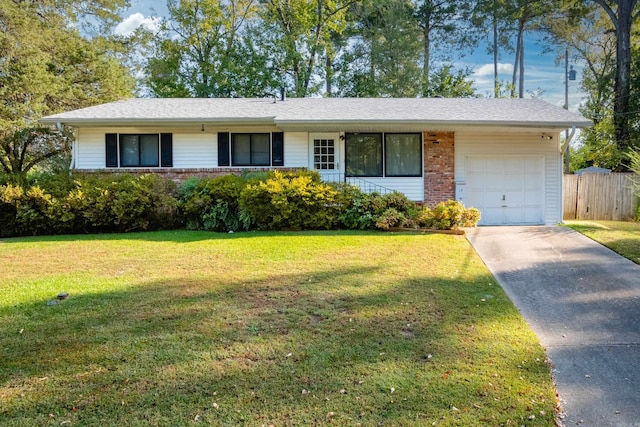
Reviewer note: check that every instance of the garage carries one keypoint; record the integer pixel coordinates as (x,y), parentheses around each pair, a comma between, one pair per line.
(508,190)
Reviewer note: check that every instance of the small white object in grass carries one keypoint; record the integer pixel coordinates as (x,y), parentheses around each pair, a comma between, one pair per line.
(393,390)
(215,405)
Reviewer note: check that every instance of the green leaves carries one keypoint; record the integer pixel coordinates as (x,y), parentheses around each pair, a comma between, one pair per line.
(47,66)
(23,149)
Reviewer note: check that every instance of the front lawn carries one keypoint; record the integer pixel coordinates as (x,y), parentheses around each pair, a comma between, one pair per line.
(621,237)
(316,328)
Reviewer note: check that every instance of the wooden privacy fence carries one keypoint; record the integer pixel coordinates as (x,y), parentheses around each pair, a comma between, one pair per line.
(599,196)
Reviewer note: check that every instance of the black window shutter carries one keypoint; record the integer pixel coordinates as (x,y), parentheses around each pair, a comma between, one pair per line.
(223,149)
(111,145)
(166,150)
(277,148)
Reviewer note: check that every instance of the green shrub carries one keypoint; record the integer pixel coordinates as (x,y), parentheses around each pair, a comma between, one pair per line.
(291,200)
(252,176)
(123,203)
(212,203)
(117,203)
(28,212)
(449,215)
(424,218)
(188,188)
(356,211)
(399,201)
(10,198)
(58,184)
(470,217)
(390,218)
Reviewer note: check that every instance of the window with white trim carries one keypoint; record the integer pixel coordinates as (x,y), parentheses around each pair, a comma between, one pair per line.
(399,156)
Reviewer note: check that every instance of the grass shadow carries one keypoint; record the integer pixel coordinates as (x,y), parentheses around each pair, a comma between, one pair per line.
(376,330)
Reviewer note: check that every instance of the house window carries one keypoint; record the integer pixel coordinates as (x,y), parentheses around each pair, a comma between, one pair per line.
(403,154)
(363,154)
(139,150)
(250,149)
(399,156)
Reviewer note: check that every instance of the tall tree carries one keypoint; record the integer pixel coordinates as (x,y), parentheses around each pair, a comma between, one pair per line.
(47,66)
(302,31)
(199,52)
(526,15)
(441,22)
(622,13)
(587,29)
(385,52)
(487,18)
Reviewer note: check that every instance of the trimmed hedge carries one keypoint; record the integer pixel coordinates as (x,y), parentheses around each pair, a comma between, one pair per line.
(98,204)
(291,200)
(272,201)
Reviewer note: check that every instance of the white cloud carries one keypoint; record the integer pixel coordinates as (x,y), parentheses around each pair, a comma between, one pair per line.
(136,20)
(487,69)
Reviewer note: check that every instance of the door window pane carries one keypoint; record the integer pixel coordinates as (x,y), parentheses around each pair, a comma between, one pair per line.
(324,158)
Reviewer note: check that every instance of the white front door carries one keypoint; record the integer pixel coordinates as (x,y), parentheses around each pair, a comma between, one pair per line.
(324,155)
(507,190)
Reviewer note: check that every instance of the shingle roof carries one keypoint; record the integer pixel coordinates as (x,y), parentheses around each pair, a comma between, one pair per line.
(304,112)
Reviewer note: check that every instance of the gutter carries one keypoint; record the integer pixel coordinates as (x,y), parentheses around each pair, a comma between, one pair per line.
(79,122)
(435,124)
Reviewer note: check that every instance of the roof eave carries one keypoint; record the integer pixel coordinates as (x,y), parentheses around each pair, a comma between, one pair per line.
(341,125)
(170,122)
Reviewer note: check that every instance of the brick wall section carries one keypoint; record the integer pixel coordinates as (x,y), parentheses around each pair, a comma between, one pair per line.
(179,175)
(439,165)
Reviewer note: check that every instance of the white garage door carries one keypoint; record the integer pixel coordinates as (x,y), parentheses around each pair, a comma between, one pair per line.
(506,190)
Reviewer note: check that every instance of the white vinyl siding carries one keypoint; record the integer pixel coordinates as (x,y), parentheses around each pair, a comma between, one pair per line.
(523,146)
(296,151)
(90,150)
(193,149)
(412,187)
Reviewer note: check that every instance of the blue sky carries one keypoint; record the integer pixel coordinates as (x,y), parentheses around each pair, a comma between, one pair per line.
(541,71)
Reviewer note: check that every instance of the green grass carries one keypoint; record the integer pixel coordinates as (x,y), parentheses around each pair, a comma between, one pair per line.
(619,236)
(283,329)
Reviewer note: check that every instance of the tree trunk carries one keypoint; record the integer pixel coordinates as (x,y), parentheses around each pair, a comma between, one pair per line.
(623,73)
(427,59)
(328,66)
(622,18)
(516,67)
(496,81)
(521,77)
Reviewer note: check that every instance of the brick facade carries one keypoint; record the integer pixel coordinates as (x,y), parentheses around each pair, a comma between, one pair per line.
(439,165)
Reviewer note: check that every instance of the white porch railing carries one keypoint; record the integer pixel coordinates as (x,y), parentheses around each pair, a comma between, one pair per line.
(363,184)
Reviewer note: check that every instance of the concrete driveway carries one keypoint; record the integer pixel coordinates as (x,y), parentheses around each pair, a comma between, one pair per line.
(583,302)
